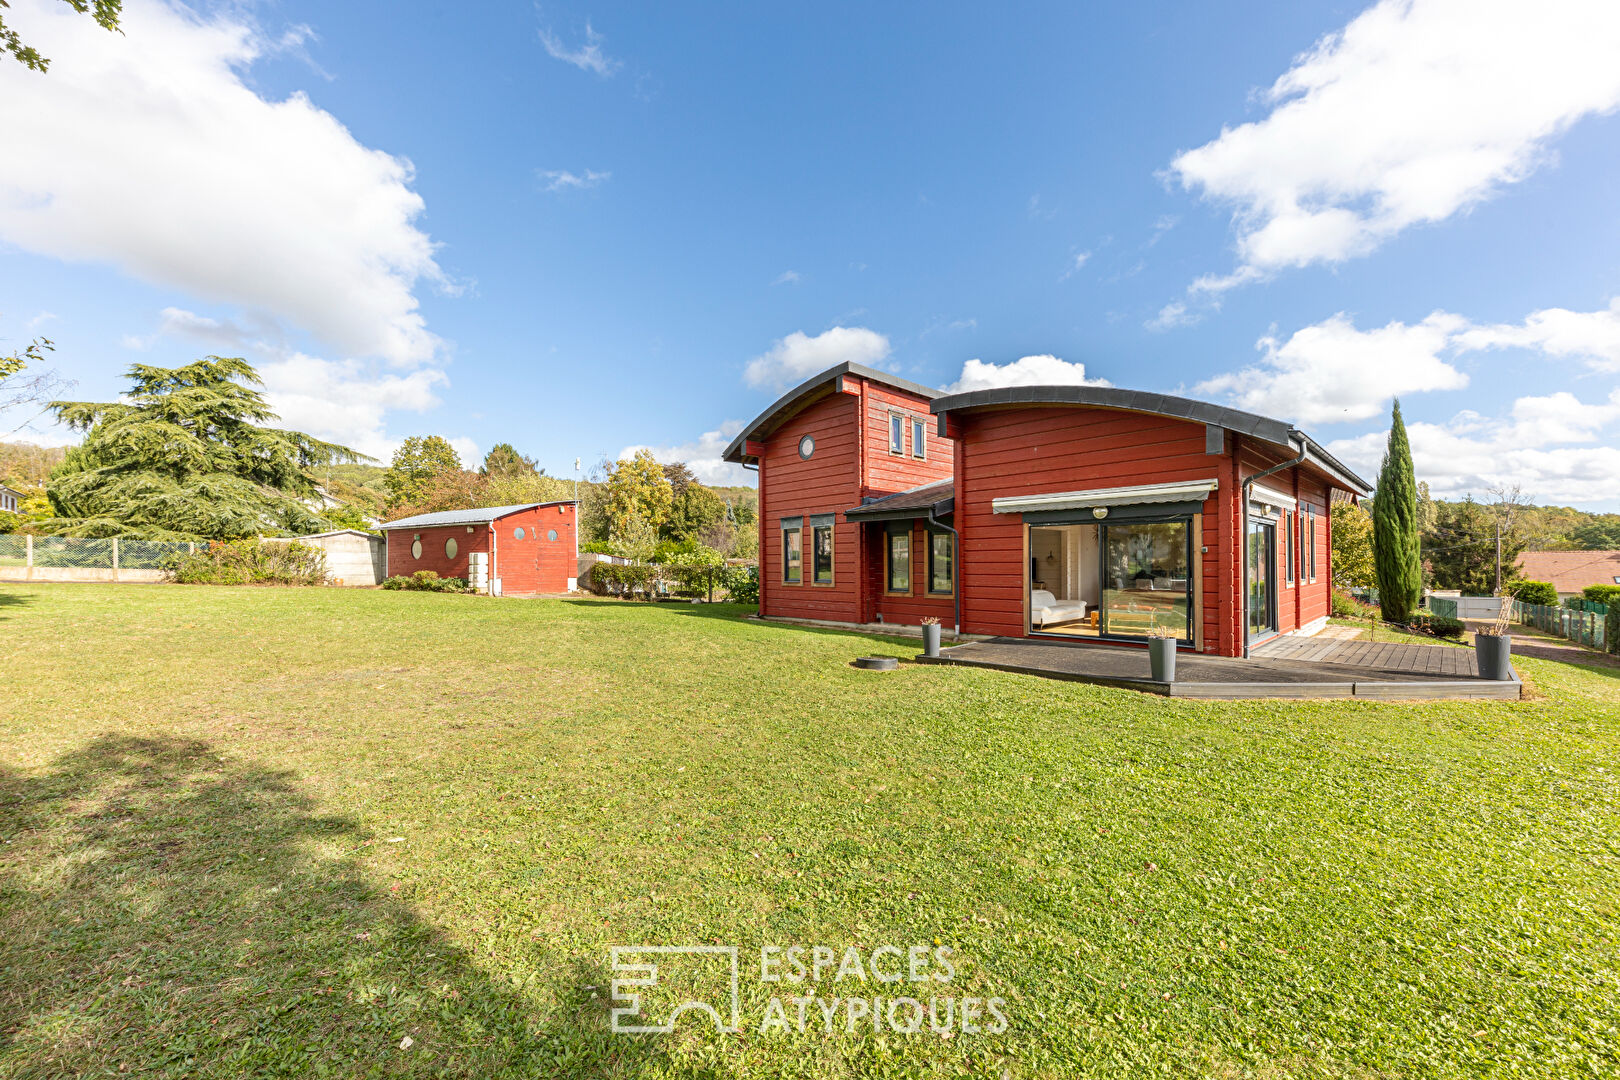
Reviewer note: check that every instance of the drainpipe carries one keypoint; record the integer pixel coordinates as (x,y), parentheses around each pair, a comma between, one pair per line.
(1243,536)
(956,573)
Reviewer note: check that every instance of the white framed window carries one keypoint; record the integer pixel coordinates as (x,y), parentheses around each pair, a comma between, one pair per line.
(450,548)
(919,437)
(416,548)
(897,433)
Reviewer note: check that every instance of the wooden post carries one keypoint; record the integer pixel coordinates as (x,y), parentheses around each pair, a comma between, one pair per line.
(28,557)
(115,558)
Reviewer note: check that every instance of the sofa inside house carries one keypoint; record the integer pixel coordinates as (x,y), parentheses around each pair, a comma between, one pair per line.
(1047,610)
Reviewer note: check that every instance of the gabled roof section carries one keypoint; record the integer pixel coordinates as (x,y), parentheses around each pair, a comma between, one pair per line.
(811,390)
(1277,432)
(475,516)
(938,497)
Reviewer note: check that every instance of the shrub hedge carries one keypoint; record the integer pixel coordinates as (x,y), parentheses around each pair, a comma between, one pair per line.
(1602,594)
(1534,592)
(249,562)
(427,581)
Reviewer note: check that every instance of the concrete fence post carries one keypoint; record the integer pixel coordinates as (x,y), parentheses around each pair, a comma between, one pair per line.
(28,557)
(115,558)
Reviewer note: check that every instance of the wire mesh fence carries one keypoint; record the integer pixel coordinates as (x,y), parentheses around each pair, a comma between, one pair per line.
(86,553)
(1587,628)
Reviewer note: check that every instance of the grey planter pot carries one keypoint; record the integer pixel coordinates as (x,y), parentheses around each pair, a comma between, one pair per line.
(1162,657)
(1494,653)
(931,639)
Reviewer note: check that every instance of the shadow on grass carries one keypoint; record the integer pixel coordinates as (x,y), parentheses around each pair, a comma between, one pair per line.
(12,599)
(172,913)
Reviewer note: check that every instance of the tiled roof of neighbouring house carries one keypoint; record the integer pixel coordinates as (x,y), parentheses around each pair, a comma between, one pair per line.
(1572,571)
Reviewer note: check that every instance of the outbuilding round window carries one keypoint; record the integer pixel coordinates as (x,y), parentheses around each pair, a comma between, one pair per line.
(450,548)
(551,534)
(416,549)
(807,446)
(517,533)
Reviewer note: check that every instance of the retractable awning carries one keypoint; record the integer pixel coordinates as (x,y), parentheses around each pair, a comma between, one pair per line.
(1185,491)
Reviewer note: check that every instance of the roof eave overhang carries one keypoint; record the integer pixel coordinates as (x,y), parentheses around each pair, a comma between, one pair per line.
(938,510)
(812,389)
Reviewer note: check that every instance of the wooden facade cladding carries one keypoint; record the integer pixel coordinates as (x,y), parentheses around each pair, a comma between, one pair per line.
(468,538)
(1040,449)
(530,566)
(850,462)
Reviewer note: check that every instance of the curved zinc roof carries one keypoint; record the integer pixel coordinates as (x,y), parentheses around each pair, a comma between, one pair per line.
(1276,432)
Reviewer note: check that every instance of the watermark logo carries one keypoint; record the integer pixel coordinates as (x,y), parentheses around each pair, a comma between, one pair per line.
(629,973)
(905,990)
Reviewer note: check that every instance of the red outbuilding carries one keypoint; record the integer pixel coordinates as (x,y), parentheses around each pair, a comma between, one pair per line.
(1060,512)
(526,550)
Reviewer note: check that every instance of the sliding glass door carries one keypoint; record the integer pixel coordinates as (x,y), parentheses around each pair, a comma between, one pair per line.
(1124,579)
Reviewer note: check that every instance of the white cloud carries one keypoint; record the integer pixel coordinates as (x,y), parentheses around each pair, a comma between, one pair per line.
(1415,111)
(588,57)
(1075,264)
(345,401)
(470,453)
(702,456)
(1471,454)
(148,151)
(1592,336)
(788,277)
(563,180)
(1172,315)
(218,334)
(799,356)
(1043,370)
(1331,371)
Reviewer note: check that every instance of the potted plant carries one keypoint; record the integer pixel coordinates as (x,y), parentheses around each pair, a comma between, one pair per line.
(1493,646)
(930,631)
(1162,653)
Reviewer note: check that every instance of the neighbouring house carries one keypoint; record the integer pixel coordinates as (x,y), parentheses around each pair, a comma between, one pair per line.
(1079,513)
(10,499)
(526,550)
(1571,571)
(353,557)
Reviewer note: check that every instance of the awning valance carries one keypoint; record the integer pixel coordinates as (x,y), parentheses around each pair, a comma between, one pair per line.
(1185,491)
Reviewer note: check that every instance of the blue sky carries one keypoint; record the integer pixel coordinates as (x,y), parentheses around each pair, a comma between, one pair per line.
(581,229)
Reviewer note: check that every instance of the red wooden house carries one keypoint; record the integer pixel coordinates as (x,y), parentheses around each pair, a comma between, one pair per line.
(526,550)
(1064,512)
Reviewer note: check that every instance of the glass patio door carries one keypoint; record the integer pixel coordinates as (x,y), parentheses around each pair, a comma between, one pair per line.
(1262,578)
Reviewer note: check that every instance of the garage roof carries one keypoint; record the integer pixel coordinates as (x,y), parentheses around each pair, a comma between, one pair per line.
(474,516)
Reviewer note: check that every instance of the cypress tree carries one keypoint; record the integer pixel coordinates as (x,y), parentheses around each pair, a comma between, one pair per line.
(1397,555)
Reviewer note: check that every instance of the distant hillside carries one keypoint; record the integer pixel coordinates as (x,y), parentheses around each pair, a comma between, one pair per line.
(28,465)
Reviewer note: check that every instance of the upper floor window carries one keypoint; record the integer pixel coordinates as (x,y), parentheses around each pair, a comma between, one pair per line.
(919,436)
(897,433)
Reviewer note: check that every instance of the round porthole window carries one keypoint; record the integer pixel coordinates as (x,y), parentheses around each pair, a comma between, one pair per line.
(416,549)
(807,446)
(551,534)
(450,548)
(517,533)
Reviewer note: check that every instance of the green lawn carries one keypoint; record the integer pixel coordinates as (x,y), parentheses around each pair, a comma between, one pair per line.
(278,831)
